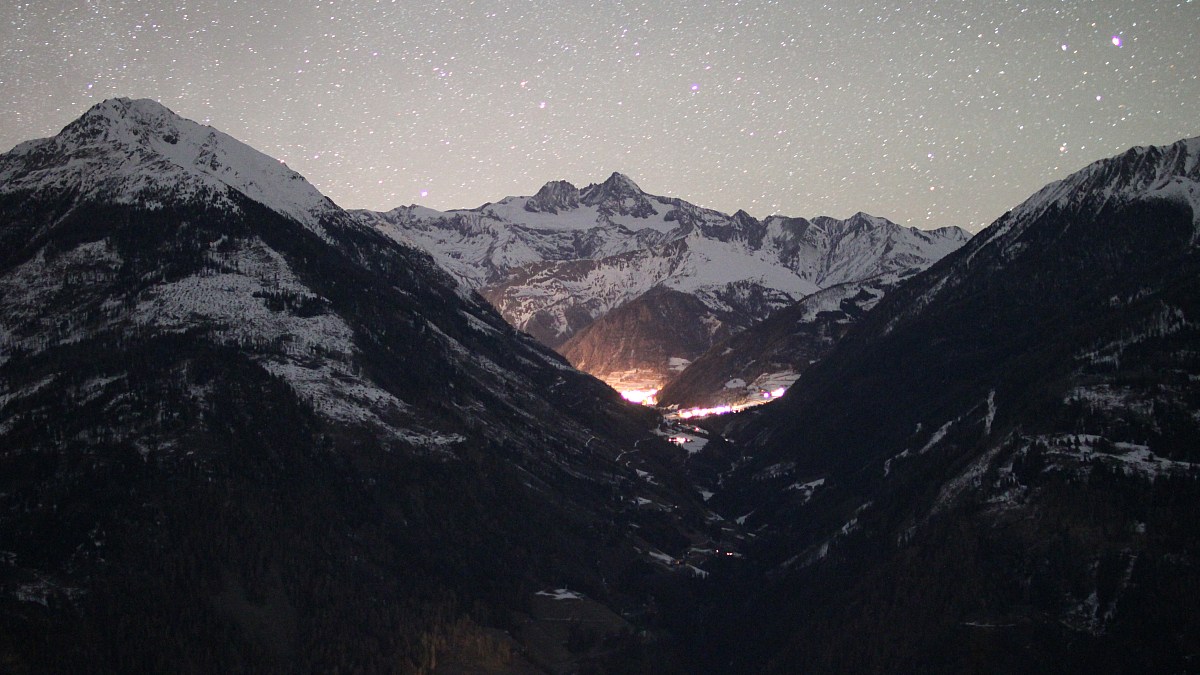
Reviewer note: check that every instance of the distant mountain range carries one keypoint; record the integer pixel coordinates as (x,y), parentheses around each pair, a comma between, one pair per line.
(631,287)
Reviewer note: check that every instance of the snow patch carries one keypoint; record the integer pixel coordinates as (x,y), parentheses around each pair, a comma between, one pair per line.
(971,477)
(663,558)
(991,413)
(1132,459)
(560,594)
(677,364)
(1166,321)
(929,445)
(807,489)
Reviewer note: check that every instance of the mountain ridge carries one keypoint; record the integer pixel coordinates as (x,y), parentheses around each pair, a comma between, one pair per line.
(555,263)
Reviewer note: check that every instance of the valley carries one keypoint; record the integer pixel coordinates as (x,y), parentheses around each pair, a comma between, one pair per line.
(245,430)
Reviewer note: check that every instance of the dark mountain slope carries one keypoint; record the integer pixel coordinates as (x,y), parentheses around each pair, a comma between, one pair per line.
(997,469)
(631,343)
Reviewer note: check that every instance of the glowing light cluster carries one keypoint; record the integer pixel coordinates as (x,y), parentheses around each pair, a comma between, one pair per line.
(704,412)
(642,396)
(691,413)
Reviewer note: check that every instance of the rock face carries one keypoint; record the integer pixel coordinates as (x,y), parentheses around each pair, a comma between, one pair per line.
(559,263)
(241,431)
(554,196)
(998,468)
(632,343)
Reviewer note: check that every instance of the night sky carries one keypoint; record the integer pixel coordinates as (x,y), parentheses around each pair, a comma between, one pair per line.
(928,113)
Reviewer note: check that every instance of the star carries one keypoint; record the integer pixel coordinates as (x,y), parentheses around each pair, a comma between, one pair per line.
(802,108)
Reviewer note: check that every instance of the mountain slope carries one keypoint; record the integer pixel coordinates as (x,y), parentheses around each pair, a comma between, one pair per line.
(997,468)
(556,262)
(631,344)
(239,430)
(771,354)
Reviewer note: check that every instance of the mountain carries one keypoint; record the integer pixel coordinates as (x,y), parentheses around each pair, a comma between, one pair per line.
(753,365)
(645,341)
(558,264)
(242,431)
(997,469)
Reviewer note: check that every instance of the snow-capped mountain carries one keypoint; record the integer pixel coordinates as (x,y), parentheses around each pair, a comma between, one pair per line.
(138,152)
(238,426)
(555,264)
(1011,437)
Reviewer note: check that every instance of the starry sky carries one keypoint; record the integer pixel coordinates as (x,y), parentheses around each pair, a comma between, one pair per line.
(929,113)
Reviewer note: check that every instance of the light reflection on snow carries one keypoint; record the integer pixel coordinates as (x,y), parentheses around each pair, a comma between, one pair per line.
(694,413)
(642,396)
(704,412)
(648,397)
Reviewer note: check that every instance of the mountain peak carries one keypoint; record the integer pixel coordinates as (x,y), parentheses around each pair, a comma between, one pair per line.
(865,222)
(742,217)
(864,218)
(139,151)
(123,120)
(616,186)
(121,107)
(554,196)
(1170,172)
(621,182)
(859,222)
(618,194)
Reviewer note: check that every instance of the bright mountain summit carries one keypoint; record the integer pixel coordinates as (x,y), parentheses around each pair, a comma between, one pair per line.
(631,287)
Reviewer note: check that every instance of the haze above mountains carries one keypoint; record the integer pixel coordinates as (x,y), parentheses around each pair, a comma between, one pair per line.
(242,429)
